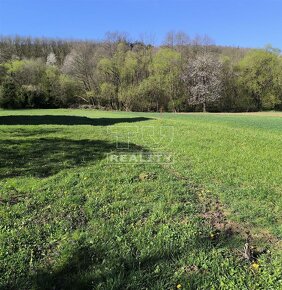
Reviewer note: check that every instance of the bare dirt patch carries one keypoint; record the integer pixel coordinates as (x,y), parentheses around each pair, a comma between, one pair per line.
(254,244)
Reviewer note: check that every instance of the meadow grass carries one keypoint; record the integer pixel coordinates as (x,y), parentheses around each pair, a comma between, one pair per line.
(70,219)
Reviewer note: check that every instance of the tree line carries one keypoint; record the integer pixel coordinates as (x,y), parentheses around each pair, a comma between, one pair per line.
(182,74)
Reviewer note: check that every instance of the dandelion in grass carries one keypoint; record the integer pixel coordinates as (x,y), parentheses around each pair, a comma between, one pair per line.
(255,266)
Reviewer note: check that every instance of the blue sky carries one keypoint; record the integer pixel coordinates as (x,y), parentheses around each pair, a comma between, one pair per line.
(246,23)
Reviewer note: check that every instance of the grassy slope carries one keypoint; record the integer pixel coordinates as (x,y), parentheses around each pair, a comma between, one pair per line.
(239,158)
(69,219)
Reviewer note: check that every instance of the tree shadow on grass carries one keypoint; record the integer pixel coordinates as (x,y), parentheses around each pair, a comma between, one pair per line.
(44,157)
(65,120)
(78,273)
(88,268)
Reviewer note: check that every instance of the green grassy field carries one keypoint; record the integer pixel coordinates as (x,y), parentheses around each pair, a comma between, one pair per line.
(71,218)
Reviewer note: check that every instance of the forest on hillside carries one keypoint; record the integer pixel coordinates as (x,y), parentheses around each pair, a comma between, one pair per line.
(182,74)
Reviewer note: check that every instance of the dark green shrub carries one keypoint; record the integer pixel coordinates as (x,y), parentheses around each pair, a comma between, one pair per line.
(10,97)
(32,97)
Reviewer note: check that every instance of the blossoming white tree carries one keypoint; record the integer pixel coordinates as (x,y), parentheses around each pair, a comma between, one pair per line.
(203,78)
(51,59)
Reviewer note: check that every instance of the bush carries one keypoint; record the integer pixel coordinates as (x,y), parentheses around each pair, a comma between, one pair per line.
(33,97)
(10,97)
(108,93)
(68,92)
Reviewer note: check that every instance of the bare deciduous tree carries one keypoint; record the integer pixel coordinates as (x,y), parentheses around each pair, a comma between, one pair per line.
(179,38)
(81,63)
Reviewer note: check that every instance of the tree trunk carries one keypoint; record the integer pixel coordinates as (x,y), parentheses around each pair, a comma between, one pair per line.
(204,107)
